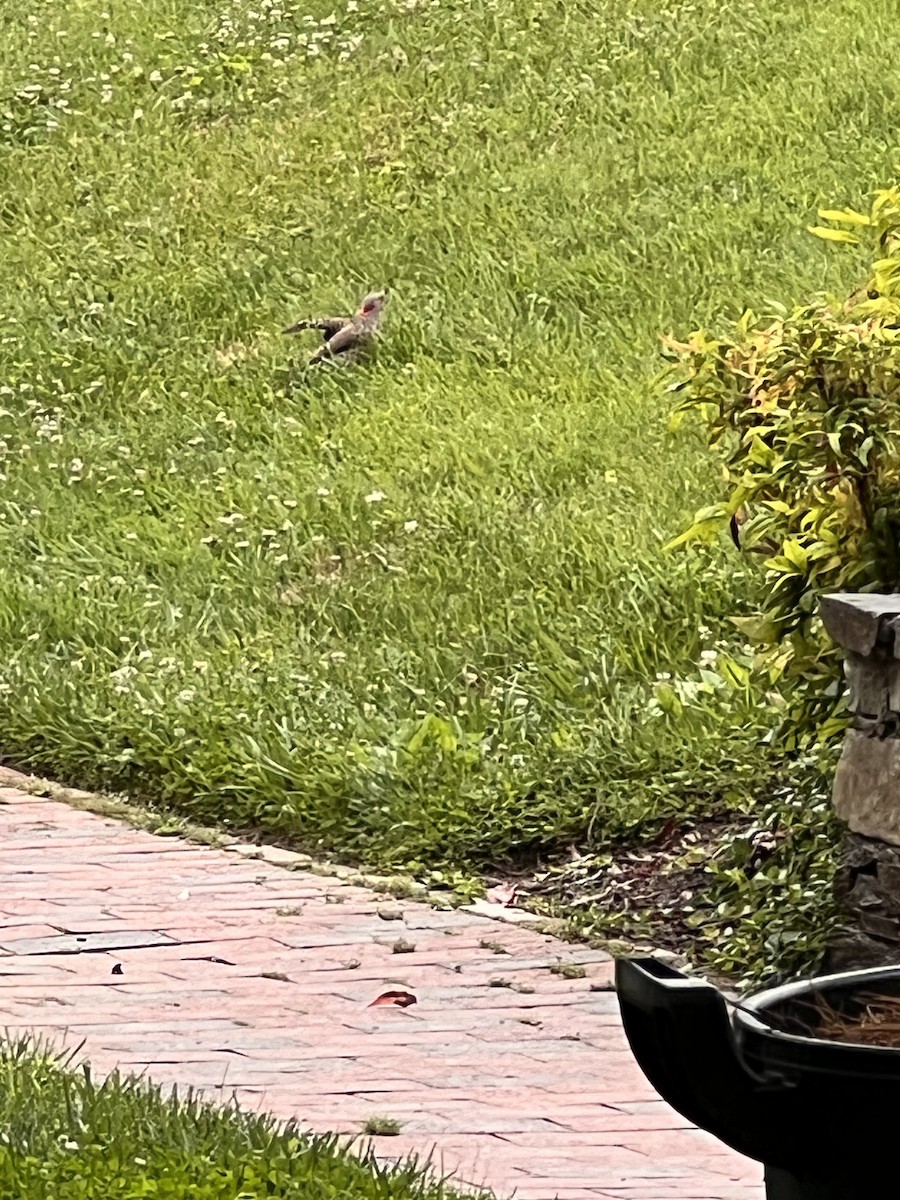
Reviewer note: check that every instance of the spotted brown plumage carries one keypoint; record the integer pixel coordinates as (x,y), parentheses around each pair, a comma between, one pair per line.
(346,338)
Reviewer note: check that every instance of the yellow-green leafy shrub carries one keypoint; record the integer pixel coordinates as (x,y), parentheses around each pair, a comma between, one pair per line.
(803,408)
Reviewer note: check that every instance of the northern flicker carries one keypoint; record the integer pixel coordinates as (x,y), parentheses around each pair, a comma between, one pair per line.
(346,338)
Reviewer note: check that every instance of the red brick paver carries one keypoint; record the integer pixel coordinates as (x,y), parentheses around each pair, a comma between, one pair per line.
(245,979)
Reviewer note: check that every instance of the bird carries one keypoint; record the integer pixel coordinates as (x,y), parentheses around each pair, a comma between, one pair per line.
(346,338)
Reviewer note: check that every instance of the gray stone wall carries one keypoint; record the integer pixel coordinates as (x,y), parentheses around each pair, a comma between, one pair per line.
(866,792)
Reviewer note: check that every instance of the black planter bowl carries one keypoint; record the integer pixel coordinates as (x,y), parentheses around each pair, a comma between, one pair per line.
(820,1115)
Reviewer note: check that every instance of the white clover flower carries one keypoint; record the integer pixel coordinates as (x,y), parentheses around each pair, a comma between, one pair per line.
(374,497)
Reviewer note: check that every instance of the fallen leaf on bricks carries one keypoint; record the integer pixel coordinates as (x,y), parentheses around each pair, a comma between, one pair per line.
(397,999)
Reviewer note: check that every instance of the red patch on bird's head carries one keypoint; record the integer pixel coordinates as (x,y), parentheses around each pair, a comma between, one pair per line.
(372,303)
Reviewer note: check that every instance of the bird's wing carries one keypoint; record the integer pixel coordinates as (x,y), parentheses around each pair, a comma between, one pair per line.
(328,325)
(346,338)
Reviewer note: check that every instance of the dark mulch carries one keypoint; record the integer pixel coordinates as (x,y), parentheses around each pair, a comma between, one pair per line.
(656,892)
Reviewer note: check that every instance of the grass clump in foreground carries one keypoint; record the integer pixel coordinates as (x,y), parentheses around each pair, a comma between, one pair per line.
(64,1136)
(417,614)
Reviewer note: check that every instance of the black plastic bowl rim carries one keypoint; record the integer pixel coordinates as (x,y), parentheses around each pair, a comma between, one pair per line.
(767,1048)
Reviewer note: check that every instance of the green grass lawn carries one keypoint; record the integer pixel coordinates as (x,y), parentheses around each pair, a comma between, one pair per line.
(65,1137)
(412,613)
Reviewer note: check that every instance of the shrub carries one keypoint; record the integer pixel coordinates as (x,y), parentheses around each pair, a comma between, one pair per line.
(802,407)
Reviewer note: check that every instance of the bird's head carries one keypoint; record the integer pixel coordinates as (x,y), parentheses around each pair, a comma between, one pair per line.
(373,305)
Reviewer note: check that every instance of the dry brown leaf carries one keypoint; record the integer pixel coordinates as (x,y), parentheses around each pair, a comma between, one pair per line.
(395,999)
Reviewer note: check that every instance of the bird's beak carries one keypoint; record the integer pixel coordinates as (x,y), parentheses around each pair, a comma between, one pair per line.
(292,328)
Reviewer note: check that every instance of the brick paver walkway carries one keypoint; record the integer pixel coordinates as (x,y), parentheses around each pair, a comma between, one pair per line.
(240,977)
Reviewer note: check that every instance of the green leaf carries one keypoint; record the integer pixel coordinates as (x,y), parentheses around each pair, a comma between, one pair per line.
(796,554)
(444,733)
(832,235)
(757,629)
(849,215)
(668,700)
(759,453)
(700,531)
(733,671)
(419,738)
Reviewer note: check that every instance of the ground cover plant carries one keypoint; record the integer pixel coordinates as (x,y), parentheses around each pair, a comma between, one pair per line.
(419,613)
(65,1136)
